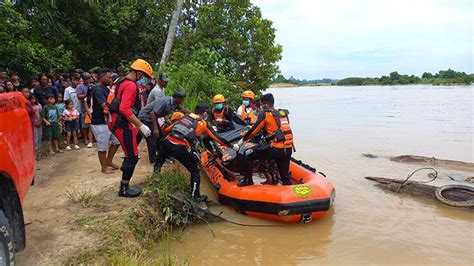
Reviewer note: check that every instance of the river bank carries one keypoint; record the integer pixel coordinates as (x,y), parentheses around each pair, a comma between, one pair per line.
(74,216)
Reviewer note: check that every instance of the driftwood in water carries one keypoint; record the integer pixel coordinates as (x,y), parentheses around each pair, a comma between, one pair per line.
(432,161)
(419,189)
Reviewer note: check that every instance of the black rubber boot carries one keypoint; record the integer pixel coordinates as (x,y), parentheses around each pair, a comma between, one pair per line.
(129,192)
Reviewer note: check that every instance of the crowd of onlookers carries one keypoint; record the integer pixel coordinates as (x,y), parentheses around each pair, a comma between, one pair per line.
(60,105)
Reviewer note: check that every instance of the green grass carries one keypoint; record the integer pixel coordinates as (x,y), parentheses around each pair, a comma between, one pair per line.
(86,196)
(132,239)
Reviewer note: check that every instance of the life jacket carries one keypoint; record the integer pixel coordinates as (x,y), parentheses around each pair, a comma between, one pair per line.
(250,118)
(217,114)
(185,129)
(282,136)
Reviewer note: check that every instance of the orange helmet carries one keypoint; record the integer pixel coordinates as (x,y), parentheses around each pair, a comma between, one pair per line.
(142,65)
(248,94)
(219,98)
(176,116)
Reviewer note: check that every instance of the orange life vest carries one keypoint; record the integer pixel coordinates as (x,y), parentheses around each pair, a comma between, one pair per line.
(218,115)
(250,118)
(278,124)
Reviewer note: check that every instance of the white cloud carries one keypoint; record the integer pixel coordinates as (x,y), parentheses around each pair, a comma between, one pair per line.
(371,37)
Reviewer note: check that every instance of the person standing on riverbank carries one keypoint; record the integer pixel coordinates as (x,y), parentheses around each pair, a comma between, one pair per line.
(99,126)
(125,123)
(83,90)
(159,90)
(159,108)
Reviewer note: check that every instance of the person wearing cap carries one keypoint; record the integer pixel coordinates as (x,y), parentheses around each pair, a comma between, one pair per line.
(125,123)
(83,92)
(149,115)
(222,114)
(180,144)
(247,110)
(159,89)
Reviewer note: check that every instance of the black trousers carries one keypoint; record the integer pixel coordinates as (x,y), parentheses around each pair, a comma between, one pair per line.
(188,157)
(152,143)
(282,157)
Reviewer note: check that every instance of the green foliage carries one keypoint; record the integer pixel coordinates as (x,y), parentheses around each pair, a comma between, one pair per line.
(201,79)
(444,77)
(22,51)
(236,31)
(228,39)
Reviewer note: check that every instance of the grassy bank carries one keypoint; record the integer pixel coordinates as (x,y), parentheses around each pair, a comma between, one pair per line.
(128,239)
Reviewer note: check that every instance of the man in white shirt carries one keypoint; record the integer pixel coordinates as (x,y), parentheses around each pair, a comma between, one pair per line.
(159,90)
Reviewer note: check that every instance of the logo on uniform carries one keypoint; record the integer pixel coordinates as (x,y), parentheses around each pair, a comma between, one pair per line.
(303,191)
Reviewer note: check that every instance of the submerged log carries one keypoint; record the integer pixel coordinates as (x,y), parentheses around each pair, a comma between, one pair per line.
(418,189)
(432,161)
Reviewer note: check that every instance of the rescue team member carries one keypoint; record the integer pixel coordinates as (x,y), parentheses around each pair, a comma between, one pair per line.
(149,115)
(125,123)
(276,127)
(221,114)
(180,144)
(247,110)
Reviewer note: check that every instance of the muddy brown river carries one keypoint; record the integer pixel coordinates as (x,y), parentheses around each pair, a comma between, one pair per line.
(333,126)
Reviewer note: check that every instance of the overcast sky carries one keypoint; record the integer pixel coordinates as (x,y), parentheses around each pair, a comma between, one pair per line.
(336,39)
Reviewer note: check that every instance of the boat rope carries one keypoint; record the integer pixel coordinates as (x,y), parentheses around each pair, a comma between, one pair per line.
(190,210)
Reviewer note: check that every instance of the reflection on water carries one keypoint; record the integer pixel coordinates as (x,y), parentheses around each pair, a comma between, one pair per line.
(332,127)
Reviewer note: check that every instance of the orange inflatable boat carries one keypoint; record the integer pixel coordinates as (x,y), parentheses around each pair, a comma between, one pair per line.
(309,198)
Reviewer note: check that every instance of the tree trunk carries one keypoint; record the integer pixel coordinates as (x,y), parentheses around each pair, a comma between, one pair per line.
(171,33)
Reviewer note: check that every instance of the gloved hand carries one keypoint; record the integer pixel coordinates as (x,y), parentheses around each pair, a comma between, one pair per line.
(236,147)
(219,120)
(145,130)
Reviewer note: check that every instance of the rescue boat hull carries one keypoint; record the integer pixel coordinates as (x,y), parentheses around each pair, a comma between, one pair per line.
(309,198)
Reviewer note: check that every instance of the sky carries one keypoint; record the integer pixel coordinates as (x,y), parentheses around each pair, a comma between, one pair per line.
(371,38)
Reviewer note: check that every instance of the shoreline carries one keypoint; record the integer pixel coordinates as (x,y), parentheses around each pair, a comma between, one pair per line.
(291,85)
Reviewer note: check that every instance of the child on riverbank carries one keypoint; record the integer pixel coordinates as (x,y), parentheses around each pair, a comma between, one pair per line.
(71,124)
(52,130)
(37,122)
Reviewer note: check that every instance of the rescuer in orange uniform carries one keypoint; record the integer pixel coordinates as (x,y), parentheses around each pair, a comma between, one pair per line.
(276,127)
(180,144)
(222,114)
(247,110)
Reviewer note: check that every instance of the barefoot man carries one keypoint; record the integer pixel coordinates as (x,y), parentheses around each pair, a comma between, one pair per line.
(99,123)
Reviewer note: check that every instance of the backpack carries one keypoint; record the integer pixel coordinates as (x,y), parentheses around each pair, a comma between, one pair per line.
(112,103)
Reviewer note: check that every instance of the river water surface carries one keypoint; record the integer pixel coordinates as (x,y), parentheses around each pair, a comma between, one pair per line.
(333,126)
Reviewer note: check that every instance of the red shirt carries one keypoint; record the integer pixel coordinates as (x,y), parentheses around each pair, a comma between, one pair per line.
(127,94)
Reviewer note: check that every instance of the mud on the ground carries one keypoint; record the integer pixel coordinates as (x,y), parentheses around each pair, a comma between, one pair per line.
(51,218)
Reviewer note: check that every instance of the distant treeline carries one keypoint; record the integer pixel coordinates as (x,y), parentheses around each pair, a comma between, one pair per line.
(281,79)
(443,77)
